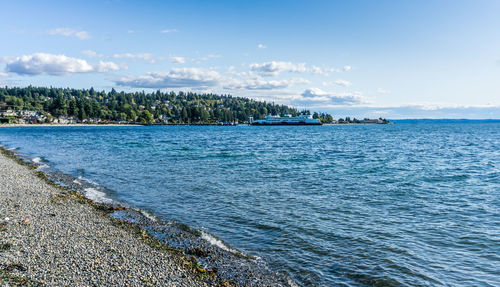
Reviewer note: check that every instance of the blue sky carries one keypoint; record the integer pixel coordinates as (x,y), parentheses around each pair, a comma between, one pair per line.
(394,59)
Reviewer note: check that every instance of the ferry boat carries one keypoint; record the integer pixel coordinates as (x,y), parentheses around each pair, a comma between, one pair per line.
(287,120)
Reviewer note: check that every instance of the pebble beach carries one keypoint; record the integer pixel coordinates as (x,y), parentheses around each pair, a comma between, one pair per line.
(50,237)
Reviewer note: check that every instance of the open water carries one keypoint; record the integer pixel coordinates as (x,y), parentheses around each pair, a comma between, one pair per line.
(413,204)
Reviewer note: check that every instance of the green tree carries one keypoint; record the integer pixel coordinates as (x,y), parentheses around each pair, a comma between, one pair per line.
(146,117)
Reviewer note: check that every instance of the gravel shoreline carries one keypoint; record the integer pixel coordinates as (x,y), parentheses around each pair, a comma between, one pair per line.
(52,237)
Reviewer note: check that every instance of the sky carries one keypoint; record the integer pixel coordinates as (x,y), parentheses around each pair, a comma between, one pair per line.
(391,59)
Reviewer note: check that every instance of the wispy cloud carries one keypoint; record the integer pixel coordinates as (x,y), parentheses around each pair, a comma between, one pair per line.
(347,68)
(92,54)
(210,56)
(56,65)
(383,91)
(130,32)
(138,56)
(317,97)
(68,32)
(261,46)
(166,31)
(339,82)
(261,84)
(198,60)
(274,68)
(142,56)
(177,60)
(103,67)
(175,78)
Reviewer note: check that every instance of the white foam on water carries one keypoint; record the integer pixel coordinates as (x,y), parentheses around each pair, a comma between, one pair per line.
(39,162)
(148,215)
(96,195)
(214,241)
(77,182)
(88,180)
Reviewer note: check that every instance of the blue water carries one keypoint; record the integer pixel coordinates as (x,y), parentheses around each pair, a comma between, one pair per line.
(405,204)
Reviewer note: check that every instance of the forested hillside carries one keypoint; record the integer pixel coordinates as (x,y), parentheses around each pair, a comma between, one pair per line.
(83,104)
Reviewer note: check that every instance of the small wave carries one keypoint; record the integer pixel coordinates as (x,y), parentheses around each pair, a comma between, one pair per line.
(88,180)
(40,163)
(97,196)
(214,241)
(76,181)
(148,215)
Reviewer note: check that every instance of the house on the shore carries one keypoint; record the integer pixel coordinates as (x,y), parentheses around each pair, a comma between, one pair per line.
(9,113)
(27,114)
(62,120)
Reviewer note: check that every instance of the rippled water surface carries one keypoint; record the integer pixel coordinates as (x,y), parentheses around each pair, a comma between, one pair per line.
(404,204)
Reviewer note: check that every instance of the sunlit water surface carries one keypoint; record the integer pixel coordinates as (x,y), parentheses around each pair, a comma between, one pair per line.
(404,204)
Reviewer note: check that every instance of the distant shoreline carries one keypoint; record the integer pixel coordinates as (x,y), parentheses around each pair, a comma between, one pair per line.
(139,125)
(66,125)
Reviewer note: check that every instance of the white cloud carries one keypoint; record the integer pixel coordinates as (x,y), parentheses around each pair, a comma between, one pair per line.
(316,97)
(339,82)
(142,56)
(104,67)
(178,60)
(261,46)
(232,71)
(274,68)
(316,70)
(261,84)
(175,78)
(166,31)
(326,71)
(183,60)
(68,32)
(210,56)
(42,63)
(92,54)
(383,91)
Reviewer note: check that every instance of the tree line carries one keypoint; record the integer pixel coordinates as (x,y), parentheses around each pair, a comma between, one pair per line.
(180,107)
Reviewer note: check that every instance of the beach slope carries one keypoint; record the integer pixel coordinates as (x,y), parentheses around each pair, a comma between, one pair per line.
(50,237)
